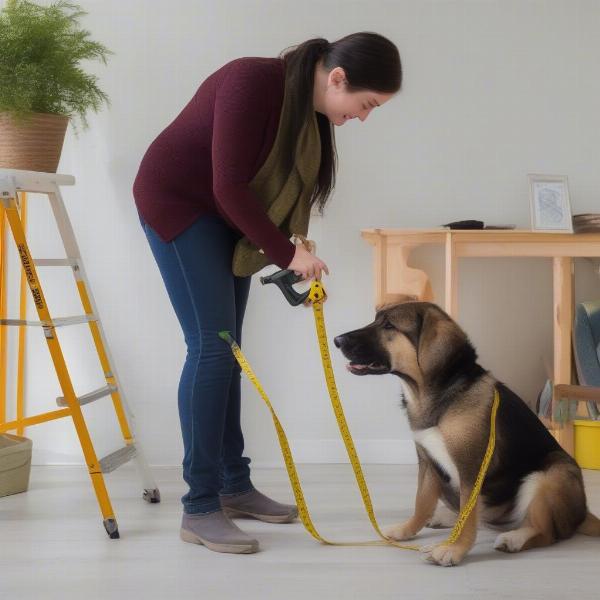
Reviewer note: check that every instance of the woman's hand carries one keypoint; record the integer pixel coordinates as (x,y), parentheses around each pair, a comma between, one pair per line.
(306,264)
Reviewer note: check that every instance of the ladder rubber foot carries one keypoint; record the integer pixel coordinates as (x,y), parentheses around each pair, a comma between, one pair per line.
(152,496)
(111,528)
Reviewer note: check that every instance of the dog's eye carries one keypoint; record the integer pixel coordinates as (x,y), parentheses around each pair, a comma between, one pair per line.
(388,325)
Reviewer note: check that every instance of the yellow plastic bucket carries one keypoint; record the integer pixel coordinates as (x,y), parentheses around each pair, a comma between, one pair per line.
(587,444)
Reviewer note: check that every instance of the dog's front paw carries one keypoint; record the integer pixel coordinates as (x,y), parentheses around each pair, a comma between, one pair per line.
(400,532)
(446,555)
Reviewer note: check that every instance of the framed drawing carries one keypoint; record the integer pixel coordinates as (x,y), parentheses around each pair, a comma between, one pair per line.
(550,205)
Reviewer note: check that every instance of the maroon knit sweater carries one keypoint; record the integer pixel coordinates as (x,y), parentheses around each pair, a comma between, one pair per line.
(202,162)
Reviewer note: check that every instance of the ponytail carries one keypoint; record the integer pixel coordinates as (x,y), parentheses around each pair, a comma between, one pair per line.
(370,61)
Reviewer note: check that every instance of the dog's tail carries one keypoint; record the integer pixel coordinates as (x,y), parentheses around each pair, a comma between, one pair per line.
(590,526)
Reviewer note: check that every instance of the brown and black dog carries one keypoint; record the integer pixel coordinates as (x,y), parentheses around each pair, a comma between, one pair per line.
(533,490)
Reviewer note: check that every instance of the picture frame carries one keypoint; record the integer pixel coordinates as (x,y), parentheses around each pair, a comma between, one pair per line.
(550,203)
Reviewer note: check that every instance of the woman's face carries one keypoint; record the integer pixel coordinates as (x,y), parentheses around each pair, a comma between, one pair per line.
(332,98)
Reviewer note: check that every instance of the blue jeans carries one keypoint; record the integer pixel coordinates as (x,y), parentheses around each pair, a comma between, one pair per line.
(207,298)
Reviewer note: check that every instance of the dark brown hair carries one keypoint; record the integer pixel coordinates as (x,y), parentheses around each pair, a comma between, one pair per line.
(371,62)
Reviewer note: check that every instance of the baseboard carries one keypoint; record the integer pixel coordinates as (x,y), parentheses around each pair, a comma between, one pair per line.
(388,452)
(391,452)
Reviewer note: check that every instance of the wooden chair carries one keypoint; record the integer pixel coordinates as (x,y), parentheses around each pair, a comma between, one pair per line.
(586,354)
(561,422)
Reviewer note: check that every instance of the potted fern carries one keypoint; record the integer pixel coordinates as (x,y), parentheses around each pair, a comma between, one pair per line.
(42,84)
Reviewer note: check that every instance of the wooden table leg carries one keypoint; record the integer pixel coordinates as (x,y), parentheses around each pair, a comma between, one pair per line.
(563,323)
(395,280)
(451,295)
(380,269)
(408,281)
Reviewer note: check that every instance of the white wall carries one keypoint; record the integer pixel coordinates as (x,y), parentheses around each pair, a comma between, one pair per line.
(492,90)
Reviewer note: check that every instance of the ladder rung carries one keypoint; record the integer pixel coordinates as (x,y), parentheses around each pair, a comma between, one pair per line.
(33,181)
(55,262)
(117,458)
(59,322)
(90,396)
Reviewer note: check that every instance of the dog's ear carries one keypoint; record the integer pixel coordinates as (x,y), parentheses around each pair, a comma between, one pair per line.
(438,340)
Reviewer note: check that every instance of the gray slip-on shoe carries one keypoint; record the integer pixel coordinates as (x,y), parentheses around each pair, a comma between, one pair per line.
(258,506)
(217,532)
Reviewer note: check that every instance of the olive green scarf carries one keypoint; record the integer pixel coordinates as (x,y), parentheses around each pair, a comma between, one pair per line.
(284,195)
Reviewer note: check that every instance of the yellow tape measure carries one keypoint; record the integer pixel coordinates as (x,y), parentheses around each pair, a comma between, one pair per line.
(317,296)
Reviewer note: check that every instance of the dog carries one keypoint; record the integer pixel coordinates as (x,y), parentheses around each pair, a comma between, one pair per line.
(533,491)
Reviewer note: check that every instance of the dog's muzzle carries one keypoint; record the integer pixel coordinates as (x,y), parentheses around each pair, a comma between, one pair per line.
(359,364)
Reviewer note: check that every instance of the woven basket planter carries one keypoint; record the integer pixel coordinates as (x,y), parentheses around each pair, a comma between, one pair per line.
(32,145)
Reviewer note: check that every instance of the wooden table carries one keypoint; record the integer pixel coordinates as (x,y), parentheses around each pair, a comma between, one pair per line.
(394,278)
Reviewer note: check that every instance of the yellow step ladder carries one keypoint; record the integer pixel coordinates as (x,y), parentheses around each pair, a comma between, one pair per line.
(14,185)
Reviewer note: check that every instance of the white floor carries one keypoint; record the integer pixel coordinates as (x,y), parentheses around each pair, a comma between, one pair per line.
(53,546)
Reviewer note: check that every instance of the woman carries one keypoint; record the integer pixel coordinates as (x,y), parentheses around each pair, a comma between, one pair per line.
(219,192)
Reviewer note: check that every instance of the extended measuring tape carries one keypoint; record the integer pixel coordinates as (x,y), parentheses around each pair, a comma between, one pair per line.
(317,297)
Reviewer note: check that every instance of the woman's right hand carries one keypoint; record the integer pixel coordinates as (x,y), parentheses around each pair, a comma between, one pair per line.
(306,264)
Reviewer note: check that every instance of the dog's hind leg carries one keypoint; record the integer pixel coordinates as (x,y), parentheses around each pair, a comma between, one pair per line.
(536,531)
(555,510)
(428,493)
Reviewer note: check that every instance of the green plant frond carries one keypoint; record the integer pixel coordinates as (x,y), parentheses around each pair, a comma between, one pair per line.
(42,48)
